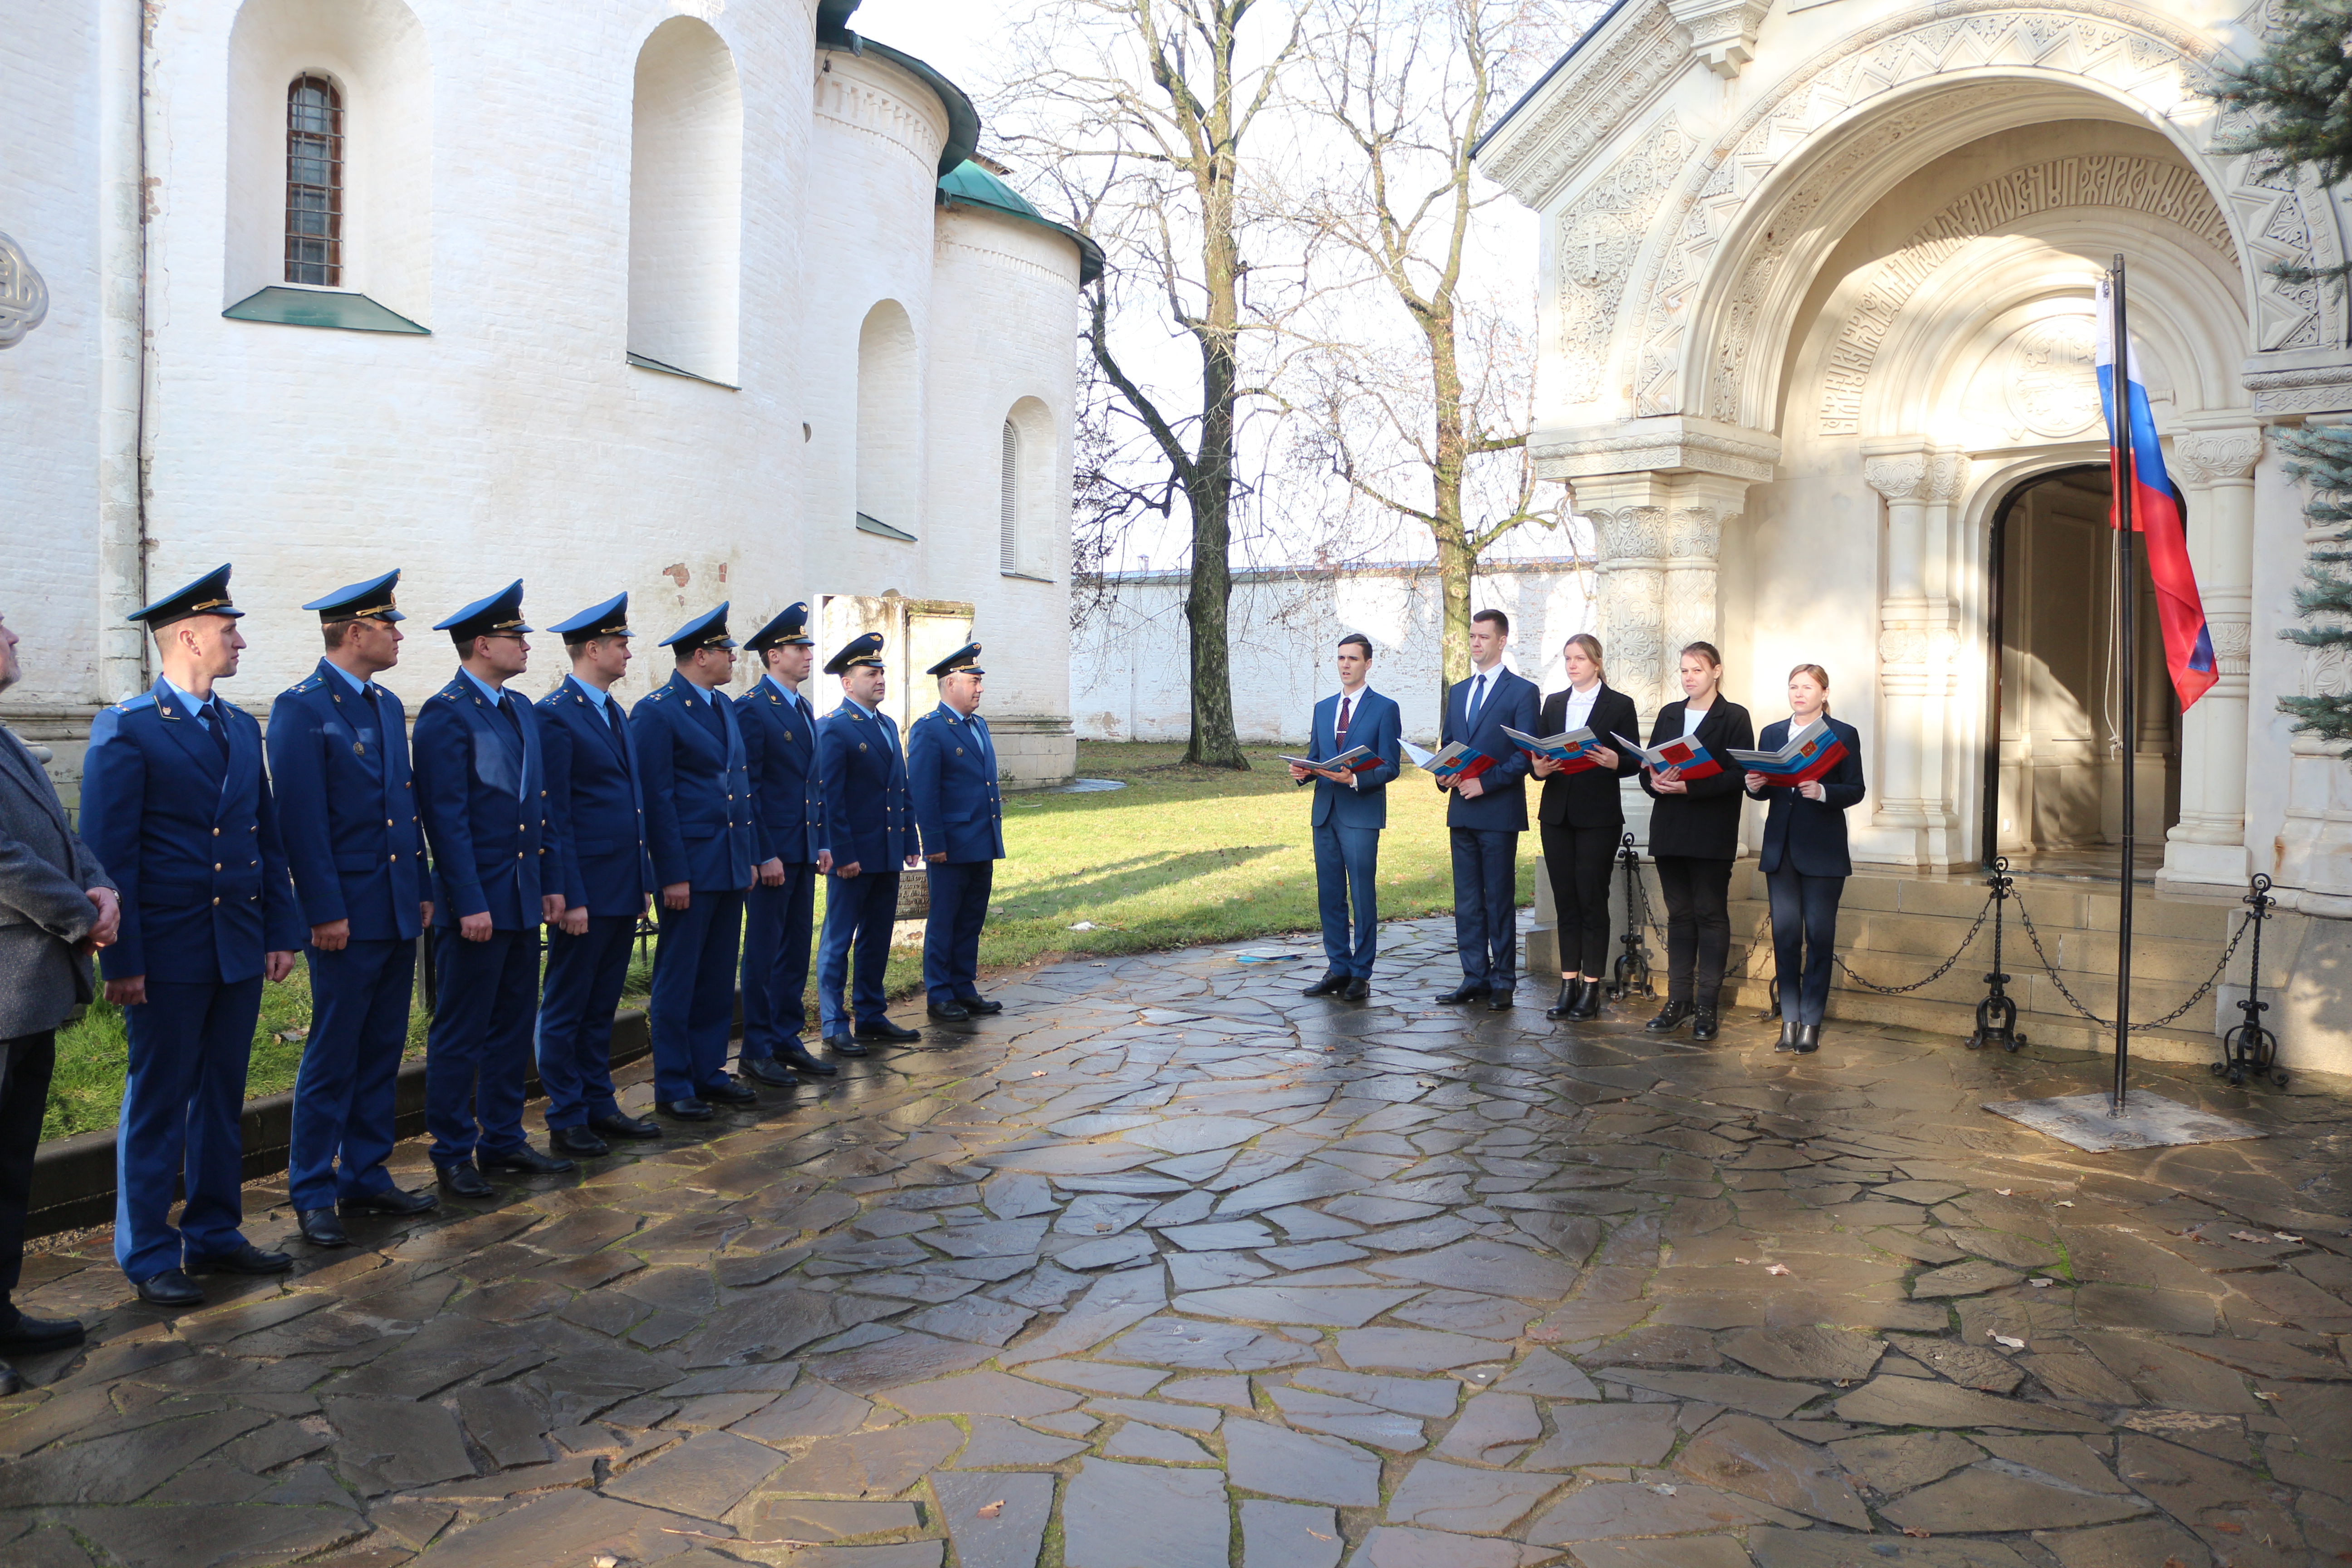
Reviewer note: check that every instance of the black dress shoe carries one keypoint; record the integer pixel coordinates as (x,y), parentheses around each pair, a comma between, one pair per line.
(463,1181)
(170,1289)
(730,1091)
(884,1029)
(320,1227)
(685,1110)
(615,1124)
(1358,989)
(1705,1024)
(1670,1018)
(30,1335)
(767,1070)
(1588,1002)
(247,1259)
(1329,985)
(949,1011)
(795,1057)
(1570,989)
(846,1045)
(526,1161)
(392,1201)
(1499,999)
(1788,1040)
(577,1141)
(979,1006)
(1809,1039)
(1465,992)
(9,1382)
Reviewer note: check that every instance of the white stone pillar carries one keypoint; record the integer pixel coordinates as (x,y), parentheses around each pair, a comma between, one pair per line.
(2215,470)
(1914,821)
(1631,520)
(1704,506)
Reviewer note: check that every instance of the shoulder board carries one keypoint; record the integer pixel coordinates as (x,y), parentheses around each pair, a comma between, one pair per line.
(661,694)
(312,684)
(448,695)
(133,704)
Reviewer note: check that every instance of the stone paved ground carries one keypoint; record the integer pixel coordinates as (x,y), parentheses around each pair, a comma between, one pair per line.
(1171,1267)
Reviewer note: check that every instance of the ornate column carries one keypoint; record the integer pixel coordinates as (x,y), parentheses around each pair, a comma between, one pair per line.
(2215,469)
(1631,517)
(1916,639)
(1704,506)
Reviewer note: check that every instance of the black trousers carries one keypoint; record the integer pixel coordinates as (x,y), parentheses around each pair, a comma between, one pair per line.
(25,1063)
(1576,860)
(1698,926)
(1805,939)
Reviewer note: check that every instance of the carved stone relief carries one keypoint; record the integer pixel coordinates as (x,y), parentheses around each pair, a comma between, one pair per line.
(1600,235)
(1584,111)
(2049,379)
(2201,457)
(24,297)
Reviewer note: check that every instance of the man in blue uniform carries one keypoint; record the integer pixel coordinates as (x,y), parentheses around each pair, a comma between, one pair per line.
(483,796)
(951,781)
(862,779)
(347,809)
(701,829)
(1351,807)
(780,740)
(596,818)
(176,805)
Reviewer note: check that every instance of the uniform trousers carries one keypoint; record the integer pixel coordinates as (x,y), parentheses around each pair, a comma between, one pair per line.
(777,924)
(182,1094)
(343,1091)
(1804,938)
(1347,868)
(585,974)
(693,1001)
(1486,905)
(478,1049)
(857,914)
(960,893)
(1698,926)
(1577,862)
(25,1063)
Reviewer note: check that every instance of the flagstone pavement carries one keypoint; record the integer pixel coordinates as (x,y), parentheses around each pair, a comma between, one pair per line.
(1169,1267)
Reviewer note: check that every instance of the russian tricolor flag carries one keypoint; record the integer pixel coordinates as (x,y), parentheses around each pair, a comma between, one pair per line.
(2132,449)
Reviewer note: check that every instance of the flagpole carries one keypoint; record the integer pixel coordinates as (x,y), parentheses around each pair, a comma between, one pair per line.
(2120,437)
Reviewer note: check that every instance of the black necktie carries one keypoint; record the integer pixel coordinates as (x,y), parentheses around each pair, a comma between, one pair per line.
(611,716)
(507,709)
(214,728)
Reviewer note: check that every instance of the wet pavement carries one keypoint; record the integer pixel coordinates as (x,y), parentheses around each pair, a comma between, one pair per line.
(1169,1267)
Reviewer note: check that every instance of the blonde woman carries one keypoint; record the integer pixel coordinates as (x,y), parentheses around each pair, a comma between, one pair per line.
(1579,819)
(1804,860)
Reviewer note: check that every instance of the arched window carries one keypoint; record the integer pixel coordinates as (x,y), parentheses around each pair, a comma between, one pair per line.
(314,183)
(1008,503)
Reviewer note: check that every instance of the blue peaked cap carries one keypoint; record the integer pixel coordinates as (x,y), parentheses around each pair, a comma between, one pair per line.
(207,595)
(708,629)
(500,612)
(368,601)
(609,619)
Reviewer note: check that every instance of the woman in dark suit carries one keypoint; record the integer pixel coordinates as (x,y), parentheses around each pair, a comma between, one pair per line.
(1804,860)
(1580,819)
(1694,838)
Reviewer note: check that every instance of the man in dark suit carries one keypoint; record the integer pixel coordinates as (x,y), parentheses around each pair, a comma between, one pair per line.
(56,908)
(347,809)
(596,818)
(1489,813)
(702,826)
(868,826)
(176,804)
(482,792)
(779,727)
(1351,807)
(960,819)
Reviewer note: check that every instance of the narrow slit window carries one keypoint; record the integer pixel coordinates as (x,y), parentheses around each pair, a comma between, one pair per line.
(1008,504)
(314,183)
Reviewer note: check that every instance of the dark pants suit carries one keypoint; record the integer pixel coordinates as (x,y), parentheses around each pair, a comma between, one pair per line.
(1694,840)
(1805,866)
(1581,820)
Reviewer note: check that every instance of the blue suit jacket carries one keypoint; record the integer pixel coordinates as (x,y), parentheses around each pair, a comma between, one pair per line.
(482,789)
(595,807)
(780,740)
(1513,701)
(701,822)
(192,846)
(861,769)
(1810,835)
(1375,722)
(951,780)
(347,807)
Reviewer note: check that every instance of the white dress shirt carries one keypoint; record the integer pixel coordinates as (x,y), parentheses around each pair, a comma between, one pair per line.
(1577,712)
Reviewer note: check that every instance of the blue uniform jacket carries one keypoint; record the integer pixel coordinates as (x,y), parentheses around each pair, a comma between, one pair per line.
(595,805)
(1511,700)
(862,778)
(347,807)
(1374,722)
(701,820)
(482,792)
(192,847)
(781,741)
(951,784)
(1810,835)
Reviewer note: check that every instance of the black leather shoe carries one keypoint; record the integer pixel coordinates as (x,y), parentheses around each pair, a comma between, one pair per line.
(1670,1018)
(31,1336)
(884,1029)
(1329,985)
(463,1181)
(1358,989)
(795,1057)
(685,1110)
(613,1124)
(730,1091)
(390,1201)
(1499,999)
(949,1011)
(1704,1024)
(979,1006)
(247,1259)
(170,1289)
(320,1227)
(1465,992)
(1570,989)
(9,1382)
(526,1161)
(1588,1002)
(767,1070)
(1788,1040)
(1809,1039)
(577,1141)
(846,1045)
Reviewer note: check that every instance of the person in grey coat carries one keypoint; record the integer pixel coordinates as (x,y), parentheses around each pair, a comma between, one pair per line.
(56,908)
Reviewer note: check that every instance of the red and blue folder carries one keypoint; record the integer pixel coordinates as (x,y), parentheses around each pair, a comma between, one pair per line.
(1687,757)
(1454,761)
(1800,759)
(1572,749)
(1354,760)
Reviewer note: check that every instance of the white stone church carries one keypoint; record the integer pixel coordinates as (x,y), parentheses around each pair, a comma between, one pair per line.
(1816,360)
(697,299)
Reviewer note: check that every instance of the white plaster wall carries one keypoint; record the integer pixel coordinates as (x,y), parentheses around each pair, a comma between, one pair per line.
(686,206)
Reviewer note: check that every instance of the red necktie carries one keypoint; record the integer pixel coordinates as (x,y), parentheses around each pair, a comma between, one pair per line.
(1339,739)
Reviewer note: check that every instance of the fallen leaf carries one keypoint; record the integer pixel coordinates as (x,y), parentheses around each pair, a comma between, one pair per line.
(2066,1203)
(1740,1260)
(2012,1343)
(990,1511)
(1039,1072)
(2250,1235)
(1663,1489)
(2041,1284)
(1915,1534)
(1318,1535)
(1776,1268)
(605,1560)
(2003,1192)
(2260,1394)
(2282,1236)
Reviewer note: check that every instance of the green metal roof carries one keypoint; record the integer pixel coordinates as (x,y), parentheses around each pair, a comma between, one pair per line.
(969,185)
(320,308)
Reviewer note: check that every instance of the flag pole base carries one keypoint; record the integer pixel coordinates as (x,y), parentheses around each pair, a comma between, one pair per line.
(2089,1122)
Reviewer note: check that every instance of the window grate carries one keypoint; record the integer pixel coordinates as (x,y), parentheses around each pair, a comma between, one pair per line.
(1008,504)
(314,183)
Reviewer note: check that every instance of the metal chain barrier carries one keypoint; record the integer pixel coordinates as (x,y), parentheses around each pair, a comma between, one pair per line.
(1937,974)
(2076,1002)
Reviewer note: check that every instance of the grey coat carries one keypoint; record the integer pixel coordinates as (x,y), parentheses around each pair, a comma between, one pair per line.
(44,869)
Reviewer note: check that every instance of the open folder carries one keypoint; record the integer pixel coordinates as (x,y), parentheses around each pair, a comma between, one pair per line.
(1800,759)
(1354,760)
(1572,747)
(1691,759)
(1456,761)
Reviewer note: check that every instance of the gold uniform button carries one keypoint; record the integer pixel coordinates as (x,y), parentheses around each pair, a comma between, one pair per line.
(215,901)
(215,832)
(394,859)
(215,865)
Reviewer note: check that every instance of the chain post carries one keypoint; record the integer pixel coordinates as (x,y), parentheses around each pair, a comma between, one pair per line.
(1997,1014)
(1633,969)
(2250,1050)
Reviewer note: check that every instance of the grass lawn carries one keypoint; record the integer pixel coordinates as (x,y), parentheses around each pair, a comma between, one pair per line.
(1180,857)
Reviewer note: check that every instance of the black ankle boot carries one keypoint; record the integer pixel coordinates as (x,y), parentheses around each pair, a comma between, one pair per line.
(1703,1024)
(1588,1003)
(1670,1018)
(1788,1040)
(1808,1040)
(1572,991)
